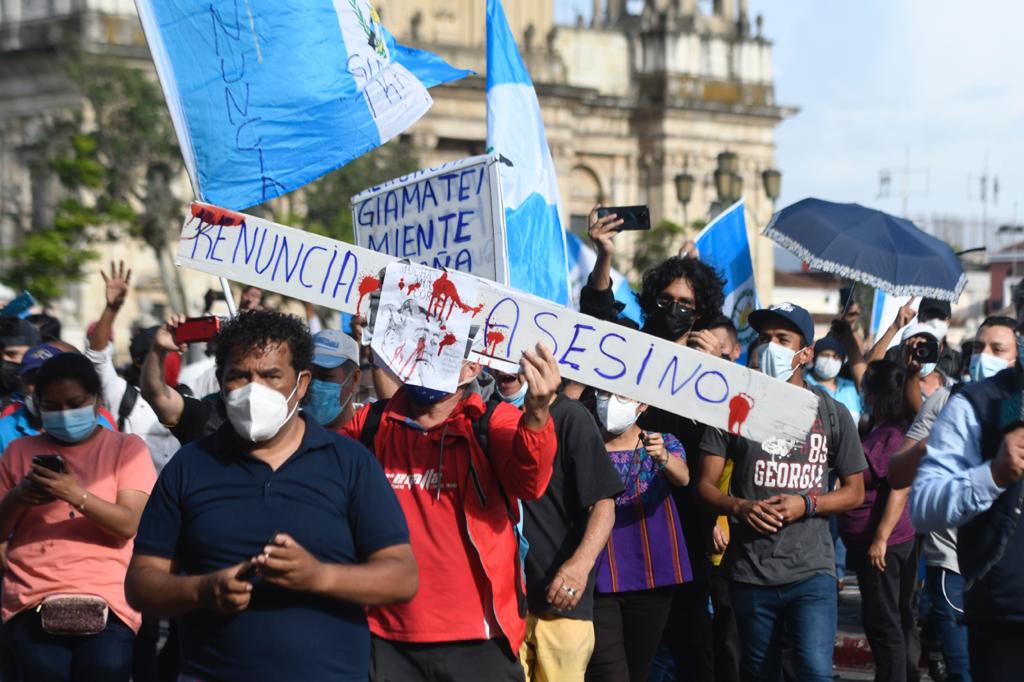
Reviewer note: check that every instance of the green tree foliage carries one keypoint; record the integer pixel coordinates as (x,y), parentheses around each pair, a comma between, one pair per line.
(656,244)
(114,158)
(328,211)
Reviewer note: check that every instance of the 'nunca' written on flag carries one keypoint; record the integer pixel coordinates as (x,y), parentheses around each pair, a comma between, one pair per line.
(267,96)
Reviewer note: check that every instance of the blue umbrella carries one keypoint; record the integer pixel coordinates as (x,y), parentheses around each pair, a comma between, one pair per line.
(869,246)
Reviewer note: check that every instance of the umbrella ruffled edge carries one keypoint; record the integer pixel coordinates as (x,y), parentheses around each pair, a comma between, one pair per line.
(845,271)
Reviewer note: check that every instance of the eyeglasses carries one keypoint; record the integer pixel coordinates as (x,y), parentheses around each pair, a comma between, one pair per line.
(664,301)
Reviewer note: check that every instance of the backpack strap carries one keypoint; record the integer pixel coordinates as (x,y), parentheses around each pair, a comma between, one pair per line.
(480,428)
(128,400)
(832,414)
(372,424)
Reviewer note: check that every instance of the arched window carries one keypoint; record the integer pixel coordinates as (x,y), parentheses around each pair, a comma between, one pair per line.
(584,191)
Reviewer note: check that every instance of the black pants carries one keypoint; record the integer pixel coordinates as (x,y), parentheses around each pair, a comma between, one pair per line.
(996,652)
(726,630)
(887,610)
(478,659)
(627,630)
(689,632)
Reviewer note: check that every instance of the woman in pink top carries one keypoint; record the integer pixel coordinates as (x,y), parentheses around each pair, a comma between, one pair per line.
(72,499)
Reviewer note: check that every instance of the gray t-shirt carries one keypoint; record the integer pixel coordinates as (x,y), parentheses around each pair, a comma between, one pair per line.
(802,549)
(938,548)
(926,417)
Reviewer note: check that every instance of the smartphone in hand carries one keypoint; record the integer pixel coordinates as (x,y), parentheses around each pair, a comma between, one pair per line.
(196,330)
(633,217)
(251,573)
(54,463)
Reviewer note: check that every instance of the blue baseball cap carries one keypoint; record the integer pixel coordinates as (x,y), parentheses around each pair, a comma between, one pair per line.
(332,347)
(35,357)
(790,313)
(829,342)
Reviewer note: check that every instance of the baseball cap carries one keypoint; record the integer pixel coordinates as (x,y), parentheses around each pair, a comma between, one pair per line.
(332,347)
(790,312)
(919,328)
(36,356)
(15,331)
(829,342)
(930,308)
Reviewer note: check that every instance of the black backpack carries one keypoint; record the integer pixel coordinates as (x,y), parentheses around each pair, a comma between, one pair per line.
(128,400)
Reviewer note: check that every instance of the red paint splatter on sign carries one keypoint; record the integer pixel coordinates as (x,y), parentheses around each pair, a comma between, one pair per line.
(401,284)
(215,215)
(446,295)
(493,340)
(421,348)
(448,340)
(739,409)
(367,285)
(414,287)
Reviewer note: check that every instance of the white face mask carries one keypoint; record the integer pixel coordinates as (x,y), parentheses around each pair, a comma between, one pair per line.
(941,327)
(777,361)
(926,369)
(616,414)
(827,369)
(258,412)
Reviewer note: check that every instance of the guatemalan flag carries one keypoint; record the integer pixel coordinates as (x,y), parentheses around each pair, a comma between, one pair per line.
(266,96)
(724,245)
(536,241)
(581,264)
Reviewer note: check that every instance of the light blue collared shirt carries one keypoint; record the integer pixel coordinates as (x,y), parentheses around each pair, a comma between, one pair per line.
(953,484)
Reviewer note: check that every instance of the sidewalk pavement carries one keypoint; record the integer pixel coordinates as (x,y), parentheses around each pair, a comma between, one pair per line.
(852,649)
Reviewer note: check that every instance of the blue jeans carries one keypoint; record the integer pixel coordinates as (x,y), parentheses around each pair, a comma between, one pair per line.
(42,657)
(946,608)
(807,609)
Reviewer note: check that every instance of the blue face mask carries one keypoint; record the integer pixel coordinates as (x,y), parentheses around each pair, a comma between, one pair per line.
(985,366)
(324,403)
(421,395)
(70,426)
(517,398)
(777,361)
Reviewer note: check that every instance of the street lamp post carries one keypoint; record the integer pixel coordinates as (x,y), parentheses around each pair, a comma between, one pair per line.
(684,192)
(772,180)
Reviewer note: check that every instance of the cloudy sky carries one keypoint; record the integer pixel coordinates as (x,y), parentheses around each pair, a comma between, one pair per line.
(878,79)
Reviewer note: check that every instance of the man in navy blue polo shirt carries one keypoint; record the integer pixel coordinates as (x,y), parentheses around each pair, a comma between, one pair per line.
(270,535)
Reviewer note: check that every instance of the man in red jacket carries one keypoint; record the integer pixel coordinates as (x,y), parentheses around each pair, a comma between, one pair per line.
(467,621)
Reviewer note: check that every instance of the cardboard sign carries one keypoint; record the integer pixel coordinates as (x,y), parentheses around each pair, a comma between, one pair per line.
(421,331)
(445,217)
(596,353)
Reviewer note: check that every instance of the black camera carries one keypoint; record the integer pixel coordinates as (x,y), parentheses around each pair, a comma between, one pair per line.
(927,351)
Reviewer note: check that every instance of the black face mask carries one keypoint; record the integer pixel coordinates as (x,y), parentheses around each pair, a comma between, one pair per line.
(9,376)
(676,320)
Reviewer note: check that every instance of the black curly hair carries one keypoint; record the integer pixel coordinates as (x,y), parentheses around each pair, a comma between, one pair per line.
(72,366)
(707,287)
(259,329)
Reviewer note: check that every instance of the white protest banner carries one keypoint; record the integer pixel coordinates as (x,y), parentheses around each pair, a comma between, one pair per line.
(421,339)
(449,217)
(337,275)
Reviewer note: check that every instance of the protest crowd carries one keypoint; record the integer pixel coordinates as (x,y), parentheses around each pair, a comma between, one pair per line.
(264,496)
(293,510)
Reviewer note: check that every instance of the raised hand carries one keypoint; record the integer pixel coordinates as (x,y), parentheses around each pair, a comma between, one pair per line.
(117,284)
(602,231)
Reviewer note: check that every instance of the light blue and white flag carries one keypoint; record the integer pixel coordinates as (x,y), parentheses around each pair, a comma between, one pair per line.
(724,245)
(536,241)
(267,96)
(884,310)
(581,264)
